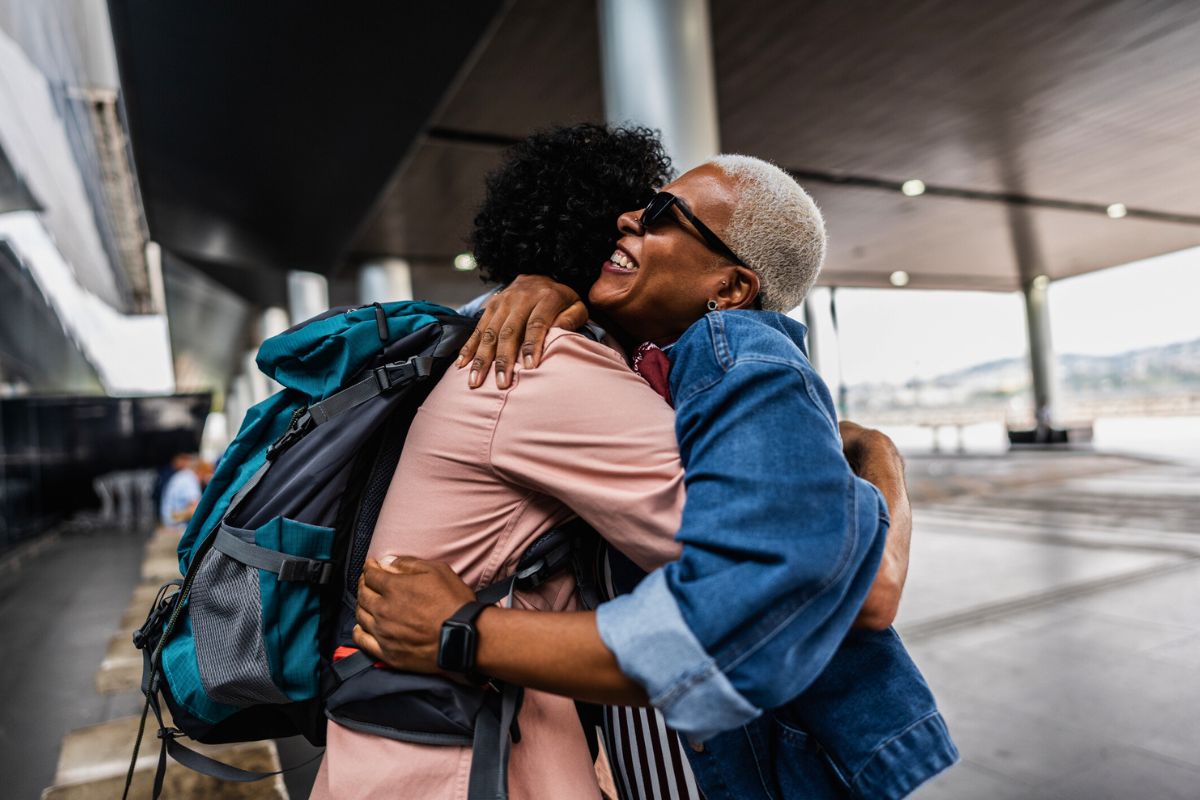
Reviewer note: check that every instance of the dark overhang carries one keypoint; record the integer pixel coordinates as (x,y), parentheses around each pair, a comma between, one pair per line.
(263,133)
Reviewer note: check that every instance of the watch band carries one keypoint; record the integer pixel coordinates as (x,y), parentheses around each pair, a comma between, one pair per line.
(458,644)
(468,613)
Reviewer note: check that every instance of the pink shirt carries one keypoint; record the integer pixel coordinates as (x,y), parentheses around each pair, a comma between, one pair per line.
(482,475)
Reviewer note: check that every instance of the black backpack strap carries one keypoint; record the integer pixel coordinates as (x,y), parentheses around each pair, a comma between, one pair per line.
(213,768)
(549,555)
(186,756)
(356,663)
(378,381)
(495,729)
(359,662)
(189,758)
(493,745)
(248,486)
(146,639)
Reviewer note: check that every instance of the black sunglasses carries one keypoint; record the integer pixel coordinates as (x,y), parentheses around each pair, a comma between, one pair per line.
(659,208)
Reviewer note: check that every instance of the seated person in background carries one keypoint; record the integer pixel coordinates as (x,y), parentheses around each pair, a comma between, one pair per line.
(182,491)
(781,543)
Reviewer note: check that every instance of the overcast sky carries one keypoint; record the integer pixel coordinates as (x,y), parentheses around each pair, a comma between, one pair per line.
(892,335)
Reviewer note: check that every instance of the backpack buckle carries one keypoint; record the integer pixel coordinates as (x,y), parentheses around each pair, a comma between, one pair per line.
(151,629)
(384,378)
(293,434)
(533,575)
(390,376)
(549,555)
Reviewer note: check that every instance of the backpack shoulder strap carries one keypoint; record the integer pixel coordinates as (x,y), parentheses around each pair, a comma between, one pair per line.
(492,746)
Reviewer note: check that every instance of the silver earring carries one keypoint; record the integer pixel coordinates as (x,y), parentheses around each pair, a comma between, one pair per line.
(712,305)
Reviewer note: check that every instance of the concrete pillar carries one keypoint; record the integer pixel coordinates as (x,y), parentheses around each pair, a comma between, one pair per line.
(272,321)
(308,295)
(385,280)
(657,66)
(842,391)
(810,322)
(1031,269)
(1041,353)
(237,403)
(260,386)
(154,277)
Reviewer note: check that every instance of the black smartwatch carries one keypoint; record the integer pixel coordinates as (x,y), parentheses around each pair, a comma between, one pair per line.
(460,641)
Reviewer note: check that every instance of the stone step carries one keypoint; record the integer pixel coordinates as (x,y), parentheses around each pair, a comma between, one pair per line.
(122,666)
(161,561)
(139,604)
(121,669)
(163,541)
(159,569)
(94,761)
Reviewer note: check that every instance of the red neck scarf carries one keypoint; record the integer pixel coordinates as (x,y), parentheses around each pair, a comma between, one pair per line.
(652,364)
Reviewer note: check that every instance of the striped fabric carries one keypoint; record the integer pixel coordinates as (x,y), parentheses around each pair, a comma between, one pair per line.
(647,758)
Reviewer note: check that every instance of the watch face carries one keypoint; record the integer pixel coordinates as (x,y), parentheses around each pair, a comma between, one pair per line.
(456,651)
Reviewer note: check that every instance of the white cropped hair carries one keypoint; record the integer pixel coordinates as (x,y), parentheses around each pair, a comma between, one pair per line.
(776,228)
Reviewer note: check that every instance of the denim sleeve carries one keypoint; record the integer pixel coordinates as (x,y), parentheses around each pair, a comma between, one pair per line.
(655,647)
(781,540)
(781,543)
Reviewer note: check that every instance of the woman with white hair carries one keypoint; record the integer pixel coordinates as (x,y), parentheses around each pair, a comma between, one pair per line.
(781,542)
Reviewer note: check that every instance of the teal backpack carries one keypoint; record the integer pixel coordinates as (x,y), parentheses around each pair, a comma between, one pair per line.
(242,648)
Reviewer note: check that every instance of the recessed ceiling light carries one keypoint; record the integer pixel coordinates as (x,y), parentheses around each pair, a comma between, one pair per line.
(913,188)
(464,262)
(1116,210)
(899,278)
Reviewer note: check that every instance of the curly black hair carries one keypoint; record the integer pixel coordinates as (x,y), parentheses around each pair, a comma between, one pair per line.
(551,208)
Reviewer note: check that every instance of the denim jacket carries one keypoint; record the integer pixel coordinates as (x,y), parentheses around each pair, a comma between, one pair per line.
(781,543)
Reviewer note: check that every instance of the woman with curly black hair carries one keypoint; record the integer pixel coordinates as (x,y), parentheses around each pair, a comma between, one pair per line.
(551,209)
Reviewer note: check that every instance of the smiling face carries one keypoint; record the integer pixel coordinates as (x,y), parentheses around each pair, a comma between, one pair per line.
(659,281)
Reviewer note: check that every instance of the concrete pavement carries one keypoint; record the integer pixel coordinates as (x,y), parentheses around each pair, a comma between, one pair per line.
(1053,603)
(1054,607)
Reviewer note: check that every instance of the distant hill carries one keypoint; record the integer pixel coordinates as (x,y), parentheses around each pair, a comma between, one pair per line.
(1173,368)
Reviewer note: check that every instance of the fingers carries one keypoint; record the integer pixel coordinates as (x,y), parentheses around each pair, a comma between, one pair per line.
(485,354)
(482,346)
(364,617)
(514,326)
(399,565)
(539,324)
(574,318)
(497,340)
(536,330)
(472,344)
(367,643)
(468,349)
(849,429)
(469,354)
(508,340)
(368,599)
(375,576)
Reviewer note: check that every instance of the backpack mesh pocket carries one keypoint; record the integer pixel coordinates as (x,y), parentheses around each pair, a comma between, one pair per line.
(226,608)
(255,633)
